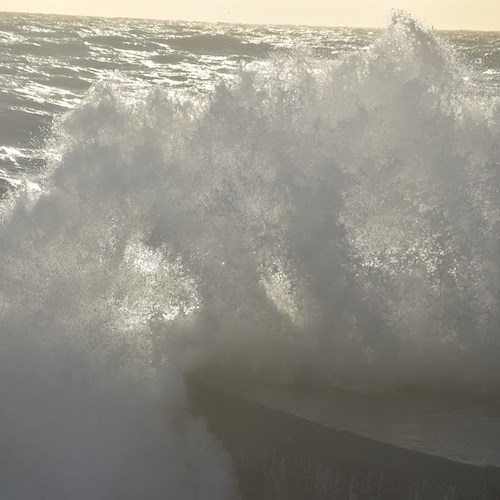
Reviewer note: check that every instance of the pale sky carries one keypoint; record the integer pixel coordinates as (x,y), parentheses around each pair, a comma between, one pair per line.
(442,14)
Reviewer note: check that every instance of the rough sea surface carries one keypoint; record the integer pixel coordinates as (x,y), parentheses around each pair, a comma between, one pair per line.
(283,205)
(48,63)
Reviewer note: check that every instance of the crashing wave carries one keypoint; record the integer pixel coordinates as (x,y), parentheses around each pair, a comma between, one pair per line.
(312,220)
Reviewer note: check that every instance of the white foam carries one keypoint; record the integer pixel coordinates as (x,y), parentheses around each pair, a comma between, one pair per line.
(335,221)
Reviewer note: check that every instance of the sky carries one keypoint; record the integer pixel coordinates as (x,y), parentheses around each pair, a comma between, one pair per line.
(441,14)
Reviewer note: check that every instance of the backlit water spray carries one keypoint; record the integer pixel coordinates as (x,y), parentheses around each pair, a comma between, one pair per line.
(329,222)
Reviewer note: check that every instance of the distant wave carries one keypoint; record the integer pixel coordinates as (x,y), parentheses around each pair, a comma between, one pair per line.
(65,48)
(219,44)
(121,42)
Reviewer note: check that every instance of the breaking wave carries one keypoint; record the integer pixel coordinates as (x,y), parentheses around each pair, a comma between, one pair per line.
(334,222)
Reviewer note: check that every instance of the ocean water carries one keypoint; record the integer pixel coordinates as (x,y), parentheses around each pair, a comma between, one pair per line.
(281,204)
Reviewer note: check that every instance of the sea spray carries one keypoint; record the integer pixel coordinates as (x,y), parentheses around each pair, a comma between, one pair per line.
(342,219)
(334,222)
(90,408)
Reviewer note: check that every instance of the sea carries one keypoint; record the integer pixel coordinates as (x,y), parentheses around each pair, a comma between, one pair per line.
(275,204)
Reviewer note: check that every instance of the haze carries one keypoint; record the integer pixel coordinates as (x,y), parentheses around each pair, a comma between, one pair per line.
(442,14)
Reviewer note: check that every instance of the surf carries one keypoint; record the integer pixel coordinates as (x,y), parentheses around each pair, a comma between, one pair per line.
(328,222)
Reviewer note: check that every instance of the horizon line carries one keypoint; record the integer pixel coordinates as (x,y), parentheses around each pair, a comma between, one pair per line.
(161,19)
